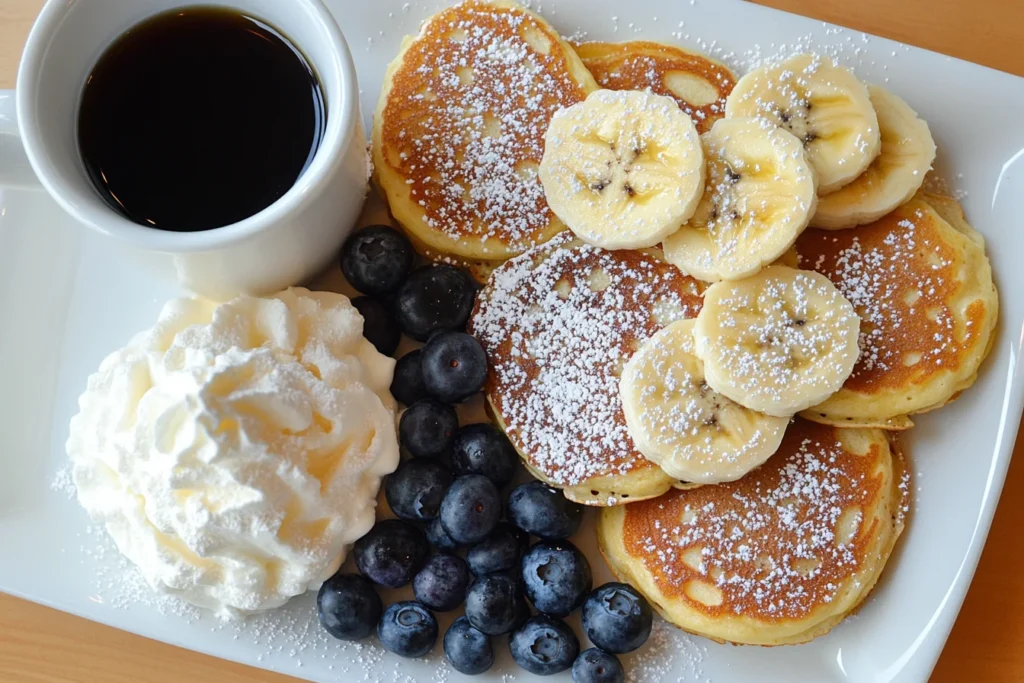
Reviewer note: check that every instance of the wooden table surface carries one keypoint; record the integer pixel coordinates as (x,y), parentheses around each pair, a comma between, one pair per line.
(40,645)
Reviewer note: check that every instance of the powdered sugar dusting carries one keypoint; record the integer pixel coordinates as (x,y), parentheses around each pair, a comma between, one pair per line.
(776,544)
(468,112)
(669,655)
(900,274)
(63,483)
(558,324)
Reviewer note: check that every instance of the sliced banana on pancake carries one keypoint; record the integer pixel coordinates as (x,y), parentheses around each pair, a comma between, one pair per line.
(822,104)
(677,421)
(622,169)
(759,197)
(898,172)
(778,342)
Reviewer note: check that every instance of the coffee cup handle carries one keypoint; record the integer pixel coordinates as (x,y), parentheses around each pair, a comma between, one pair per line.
(15,170)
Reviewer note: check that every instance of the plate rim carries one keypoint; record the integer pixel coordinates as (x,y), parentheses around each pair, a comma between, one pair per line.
(1007,435)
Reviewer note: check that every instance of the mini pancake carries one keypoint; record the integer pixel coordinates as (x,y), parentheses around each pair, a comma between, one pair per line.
(922,286)
(558,324)
(698,83)
(459,129)
(776,558)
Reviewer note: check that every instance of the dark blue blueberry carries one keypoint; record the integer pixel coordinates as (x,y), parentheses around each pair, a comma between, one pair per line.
(408,629)
(379,325)
(484,449)
(436,298)
(543,511)
(471,509)
(495,603)
(407,386)
(556,577)
(544,646)
(348,606)
(454,366)
(617,618)
(438,537)
(441,584)
(391,553)
(376,260)
(468,649)
(597,666)
(427,428)
(415,490)
(499,552)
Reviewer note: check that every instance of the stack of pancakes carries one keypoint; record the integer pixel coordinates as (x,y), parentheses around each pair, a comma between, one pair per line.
(783,554)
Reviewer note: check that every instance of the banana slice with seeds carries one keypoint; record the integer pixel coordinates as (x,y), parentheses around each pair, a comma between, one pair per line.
(898,172)
(758,198)
(622,169)
(677,421)
(822,104)
(778,342)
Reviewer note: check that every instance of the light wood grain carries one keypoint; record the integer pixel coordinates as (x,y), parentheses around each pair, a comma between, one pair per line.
(39,645)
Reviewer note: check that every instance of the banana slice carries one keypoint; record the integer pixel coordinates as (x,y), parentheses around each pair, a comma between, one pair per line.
(759,196)
(898,172)
(822,104)
(622,169)
(778,342)
(680,423)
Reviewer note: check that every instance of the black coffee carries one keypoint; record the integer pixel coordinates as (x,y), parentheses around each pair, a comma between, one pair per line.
(199,118)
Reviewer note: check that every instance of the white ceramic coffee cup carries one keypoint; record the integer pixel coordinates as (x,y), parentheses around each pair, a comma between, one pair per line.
(286,243)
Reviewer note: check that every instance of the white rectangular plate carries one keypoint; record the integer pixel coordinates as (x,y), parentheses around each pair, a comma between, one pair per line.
(66,301)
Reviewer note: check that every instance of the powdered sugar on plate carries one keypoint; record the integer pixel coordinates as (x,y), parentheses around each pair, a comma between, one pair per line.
(669,655)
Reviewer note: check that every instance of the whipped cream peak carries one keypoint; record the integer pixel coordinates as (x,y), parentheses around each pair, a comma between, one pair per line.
(235,450)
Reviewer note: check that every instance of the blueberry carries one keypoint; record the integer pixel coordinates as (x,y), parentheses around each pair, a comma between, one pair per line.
(407,386)
(471,508)
(556,577)
(348,606)
(379,325)
(415,490)
(454,366)
(544,646)
(484,449)
(441,584)
(391,553)
(499,552)
(427,428)
(543,511)
(436,298)
(408,629)
(376,260)
(617,618)
(495,604)
(468,649)
(597,666)
(438,537)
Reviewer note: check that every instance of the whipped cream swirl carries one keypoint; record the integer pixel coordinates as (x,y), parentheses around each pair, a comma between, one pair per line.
(235,450)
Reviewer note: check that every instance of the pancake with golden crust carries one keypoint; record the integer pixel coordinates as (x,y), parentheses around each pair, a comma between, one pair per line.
(459,130)
(778,557)
(558,324)
(698,83)
(928,306)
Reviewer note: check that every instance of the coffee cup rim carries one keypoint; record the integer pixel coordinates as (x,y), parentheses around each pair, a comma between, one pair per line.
(338,80)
